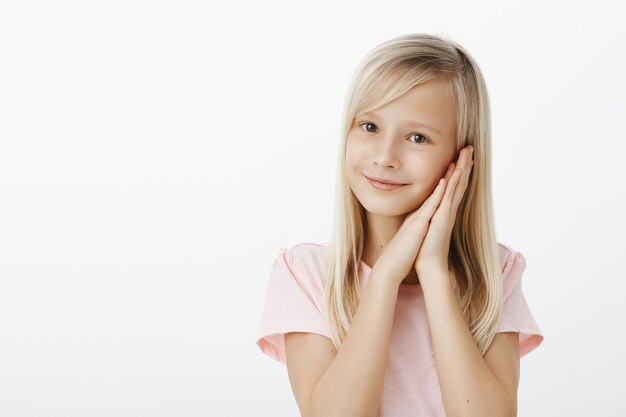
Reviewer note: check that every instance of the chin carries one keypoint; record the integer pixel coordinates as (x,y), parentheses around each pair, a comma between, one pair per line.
(390,209)
(387,205)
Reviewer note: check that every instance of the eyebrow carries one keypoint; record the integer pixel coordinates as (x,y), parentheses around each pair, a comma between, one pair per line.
(412,122)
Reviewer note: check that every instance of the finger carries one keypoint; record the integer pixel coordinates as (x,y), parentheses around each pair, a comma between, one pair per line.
(466,163)
(449,171)
(453,178)
(438,192)
(459,192)
(460,162)
(432,199)
(465,159)
(464,181)
(457,175)
(463,156)
(443,208)
(432,202)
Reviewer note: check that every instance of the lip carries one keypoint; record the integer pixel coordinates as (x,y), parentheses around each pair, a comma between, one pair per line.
(383,186)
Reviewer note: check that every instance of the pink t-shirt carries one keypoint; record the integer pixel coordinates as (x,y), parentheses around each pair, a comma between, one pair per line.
(294,302)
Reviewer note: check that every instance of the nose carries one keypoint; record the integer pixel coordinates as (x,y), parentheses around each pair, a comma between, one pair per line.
(386,151)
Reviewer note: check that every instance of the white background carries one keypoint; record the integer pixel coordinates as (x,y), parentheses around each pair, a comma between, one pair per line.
(155,155)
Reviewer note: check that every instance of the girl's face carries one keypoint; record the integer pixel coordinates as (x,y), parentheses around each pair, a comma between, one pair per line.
(410,140)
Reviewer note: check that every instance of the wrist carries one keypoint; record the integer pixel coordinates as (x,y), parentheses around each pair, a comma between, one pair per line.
(434,276)
(384,278)
(431,269)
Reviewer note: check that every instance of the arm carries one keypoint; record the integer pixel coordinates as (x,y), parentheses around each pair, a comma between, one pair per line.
(352,384)
(468,385)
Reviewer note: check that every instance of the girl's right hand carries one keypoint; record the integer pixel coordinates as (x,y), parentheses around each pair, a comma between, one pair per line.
(398,256)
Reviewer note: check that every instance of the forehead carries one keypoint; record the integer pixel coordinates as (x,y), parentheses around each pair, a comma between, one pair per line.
(427,104)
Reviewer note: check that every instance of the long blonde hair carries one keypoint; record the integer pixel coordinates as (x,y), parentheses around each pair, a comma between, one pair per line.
(387,72)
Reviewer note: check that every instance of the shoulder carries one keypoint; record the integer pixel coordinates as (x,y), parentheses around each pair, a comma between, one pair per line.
(505,251)
(305,253)
(513,264)
(308,249)
(307,260)
(510,258)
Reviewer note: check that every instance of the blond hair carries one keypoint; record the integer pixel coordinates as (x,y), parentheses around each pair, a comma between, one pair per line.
(387,72)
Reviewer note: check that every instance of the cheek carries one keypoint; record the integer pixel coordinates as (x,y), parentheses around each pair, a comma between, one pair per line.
(351,167)
(425,175)
(434,169)
(355,157)
(423,170)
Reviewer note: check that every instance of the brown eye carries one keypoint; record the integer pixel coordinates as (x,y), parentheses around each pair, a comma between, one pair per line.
(367,124)
(417,134)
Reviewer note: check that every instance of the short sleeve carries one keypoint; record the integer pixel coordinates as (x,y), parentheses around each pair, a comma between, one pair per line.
(516,315)
(290,306)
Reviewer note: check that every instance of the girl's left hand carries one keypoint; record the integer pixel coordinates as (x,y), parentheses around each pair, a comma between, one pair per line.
(433,253)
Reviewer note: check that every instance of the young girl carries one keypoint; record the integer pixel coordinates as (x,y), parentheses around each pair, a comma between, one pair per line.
(413,309)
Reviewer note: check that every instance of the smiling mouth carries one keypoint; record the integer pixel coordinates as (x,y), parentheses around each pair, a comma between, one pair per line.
(384,186)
